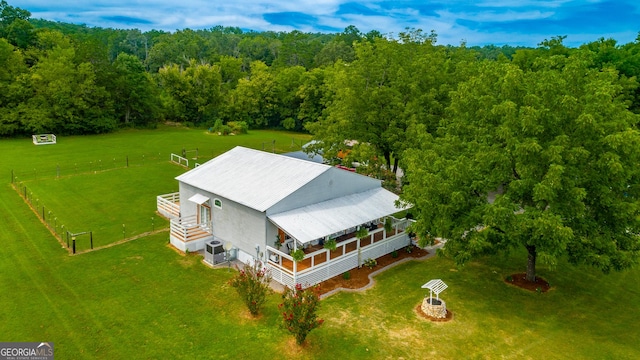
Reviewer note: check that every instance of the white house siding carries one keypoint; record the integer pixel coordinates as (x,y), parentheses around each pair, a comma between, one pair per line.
(334,183)
(188,208)
(234,222)
(243,226)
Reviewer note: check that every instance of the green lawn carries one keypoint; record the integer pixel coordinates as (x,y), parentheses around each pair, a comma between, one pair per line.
(142,300)
(108,184)
(113,204)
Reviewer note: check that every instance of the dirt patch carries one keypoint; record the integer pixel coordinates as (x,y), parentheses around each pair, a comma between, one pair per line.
(420,313)
(359,277)
(520,280)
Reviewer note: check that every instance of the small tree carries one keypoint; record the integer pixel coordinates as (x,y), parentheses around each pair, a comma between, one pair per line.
(252,284)
(299,311)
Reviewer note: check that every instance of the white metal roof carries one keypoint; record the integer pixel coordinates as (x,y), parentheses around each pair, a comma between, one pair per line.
(254,178)
(315,221)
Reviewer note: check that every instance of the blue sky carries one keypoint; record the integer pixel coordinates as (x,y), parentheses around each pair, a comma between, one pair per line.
(499,22)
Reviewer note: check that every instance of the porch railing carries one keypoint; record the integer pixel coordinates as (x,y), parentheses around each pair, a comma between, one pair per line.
(188,229)
(168,205)
(324,264)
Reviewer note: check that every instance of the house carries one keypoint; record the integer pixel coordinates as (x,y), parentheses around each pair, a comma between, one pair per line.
(266,206)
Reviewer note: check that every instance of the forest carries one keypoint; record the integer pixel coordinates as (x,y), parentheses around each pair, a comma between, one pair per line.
(553,130)
(73,79)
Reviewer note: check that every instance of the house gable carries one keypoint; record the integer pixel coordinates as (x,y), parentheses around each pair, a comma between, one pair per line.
(331,184)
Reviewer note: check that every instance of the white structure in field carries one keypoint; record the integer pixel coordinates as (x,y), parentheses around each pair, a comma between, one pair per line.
(44,139)
(270,205)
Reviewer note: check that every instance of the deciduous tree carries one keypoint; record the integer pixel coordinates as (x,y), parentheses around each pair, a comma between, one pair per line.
(544,159)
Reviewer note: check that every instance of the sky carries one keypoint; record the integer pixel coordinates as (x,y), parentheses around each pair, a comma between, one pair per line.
(481,22)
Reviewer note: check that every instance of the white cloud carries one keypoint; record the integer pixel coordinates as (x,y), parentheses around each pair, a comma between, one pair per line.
(171,15)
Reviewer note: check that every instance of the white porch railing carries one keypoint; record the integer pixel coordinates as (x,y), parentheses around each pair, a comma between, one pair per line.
(168,205)
(186,229)
(324,265)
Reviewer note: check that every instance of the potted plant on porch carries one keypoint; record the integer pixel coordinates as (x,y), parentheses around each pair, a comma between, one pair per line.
(330,244)
(388,225)
(277,243)
(297,255)
(362,232)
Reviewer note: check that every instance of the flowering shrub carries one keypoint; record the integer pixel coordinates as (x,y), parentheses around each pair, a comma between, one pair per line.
(299,311)
(252,284)
(370,263)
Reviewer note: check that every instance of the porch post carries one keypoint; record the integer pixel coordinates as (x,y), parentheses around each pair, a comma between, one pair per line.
(295,271)
(384,229)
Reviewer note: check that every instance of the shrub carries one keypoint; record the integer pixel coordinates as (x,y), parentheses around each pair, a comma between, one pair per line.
(409,248)
(346,275)
(219,127)
(238,127)
(394,254)
(252,284)
(370,263)
(299,311)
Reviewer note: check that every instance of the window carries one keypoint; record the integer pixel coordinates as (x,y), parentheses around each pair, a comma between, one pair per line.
(217,203)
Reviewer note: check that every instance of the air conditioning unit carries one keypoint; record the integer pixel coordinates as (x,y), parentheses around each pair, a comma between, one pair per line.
(214,252)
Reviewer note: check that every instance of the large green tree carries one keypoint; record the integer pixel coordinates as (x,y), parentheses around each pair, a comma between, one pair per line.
(60,95)
(390,85)
(15,26)
(12,65)
(546,159)
(253,100)
(191,94)
(134,92)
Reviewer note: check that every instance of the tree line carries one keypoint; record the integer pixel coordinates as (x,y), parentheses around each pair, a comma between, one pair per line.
(73,79)
(549,134)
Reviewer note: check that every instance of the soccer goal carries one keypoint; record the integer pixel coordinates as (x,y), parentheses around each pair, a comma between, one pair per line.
(44,139)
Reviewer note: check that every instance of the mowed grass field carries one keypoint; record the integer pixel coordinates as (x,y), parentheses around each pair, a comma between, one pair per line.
(108,184)
(143,300)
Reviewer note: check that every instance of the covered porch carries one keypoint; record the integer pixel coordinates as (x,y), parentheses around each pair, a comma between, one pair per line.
(308,228)
(320,264)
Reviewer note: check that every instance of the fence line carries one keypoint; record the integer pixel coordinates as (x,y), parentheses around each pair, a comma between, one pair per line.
(63,234)
(70,168)
(46,217)
(66,169)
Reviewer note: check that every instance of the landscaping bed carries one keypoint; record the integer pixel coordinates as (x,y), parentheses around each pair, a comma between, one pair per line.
(359,277)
